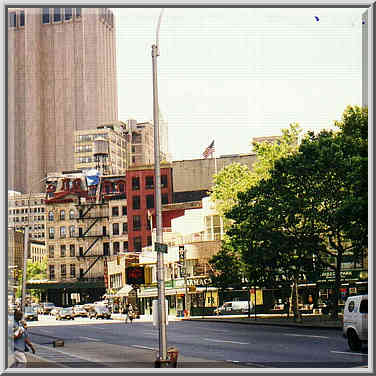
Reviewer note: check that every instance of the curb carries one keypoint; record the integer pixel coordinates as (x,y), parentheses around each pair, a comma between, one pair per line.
(294,325)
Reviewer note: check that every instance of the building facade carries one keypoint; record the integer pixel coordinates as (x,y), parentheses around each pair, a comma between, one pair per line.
(61,78)
(27,210)
(105,148)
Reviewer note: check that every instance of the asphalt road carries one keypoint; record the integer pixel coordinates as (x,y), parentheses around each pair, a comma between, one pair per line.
(240,344)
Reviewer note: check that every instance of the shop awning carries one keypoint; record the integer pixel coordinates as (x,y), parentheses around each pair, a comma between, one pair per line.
(124,291)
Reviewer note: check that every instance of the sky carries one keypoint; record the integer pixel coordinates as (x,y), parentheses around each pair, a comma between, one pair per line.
(229,75)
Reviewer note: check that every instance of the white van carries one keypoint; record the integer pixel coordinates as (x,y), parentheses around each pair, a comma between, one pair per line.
(234,307)
(355,321)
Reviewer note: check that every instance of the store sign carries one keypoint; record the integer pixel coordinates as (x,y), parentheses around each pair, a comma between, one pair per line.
(345,275)
(211,299)
(135,275)
(199,281)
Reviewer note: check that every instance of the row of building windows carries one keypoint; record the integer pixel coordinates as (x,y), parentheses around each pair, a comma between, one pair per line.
(91,137)
(16,19)
(59,14)
(26,203)
(63,271)
(25,211)
(149,182)
(26,219)
(51,215)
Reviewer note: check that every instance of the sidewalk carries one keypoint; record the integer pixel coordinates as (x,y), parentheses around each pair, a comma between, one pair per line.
(104,355)
(309,321)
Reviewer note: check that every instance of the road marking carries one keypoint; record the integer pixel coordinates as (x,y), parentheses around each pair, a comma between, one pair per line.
(91,339)
(348,353)
(215,340)
(305,335)
(143,347)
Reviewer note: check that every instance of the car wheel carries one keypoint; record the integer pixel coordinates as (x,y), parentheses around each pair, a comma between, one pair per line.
(353,340)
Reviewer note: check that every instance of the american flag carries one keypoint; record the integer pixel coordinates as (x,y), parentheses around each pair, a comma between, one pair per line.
(209,150)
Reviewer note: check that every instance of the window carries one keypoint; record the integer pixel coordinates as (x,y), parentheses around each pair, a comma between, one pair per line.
(81,251)
(149,182)
(149,241)
(67,14)
(125,246)
(136,202)
(363,306)
(78,12)
(164,181)
(63,271)
(351,306)
(57,14)
(73,271)
(12,19)
(124,210)
(136,222)
(164,199)
(135,184)
(115,211)
(125,228)
(116,248)
(115,229)
(50,216)
(46,15)
(51,233)
(106,249)
(22,18)
(51,251)
(62,215)
(72,250)
(150,201)
(71,214)
(137,244)
(133,149)
(52,272)
(62,250)
(63,233)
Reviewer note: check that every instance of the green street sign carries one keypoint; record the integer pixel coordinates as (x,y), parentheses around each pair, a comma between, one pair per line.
(160,247)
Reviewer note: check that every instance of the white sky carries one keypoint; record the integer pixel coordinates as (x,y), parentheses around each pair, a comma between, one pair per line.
(233,74)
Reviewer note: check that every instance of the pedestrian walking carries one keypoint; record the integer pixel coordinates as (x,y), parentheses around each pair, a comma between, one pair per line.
(126,313)
(21,341)
(130,313)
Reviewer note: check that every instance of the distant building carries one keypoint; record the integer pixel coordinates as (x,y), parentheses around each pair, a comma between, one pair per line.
(27,210)
(105,148)
(15,250)
(193,179)
(38,252)
(61,78)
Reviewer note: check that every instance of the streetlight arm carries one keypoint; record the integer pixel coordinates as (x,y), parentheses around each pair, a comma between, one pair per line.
(158,27)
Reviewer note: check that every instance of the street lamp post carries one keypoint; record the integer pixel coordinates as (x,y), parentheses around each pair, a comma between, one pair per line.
(158,212)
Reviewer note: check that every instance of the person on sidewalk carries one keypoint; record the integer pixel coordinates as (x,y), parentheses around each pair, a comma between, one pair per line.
(21,341)
(126,313)
(130,313)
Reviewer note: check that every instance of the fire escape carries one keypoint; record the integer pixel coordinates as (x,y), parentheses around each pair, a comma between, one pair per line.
(90,216)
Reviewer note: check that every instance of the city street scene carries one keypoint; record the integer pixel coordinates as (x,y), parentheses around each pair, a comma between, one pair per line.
(188,188)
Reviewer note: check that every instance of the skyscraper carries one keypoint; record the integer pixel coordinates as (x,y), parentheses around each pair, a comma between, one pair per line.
(61,78)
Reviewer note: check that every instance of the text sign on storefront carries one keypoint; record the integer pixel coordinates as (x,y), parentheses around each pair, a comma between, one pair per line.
(160,247)
(201,281)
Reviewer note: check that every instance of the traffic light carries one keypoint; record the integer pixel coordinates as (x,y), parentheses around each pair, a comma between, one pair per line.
(181,253)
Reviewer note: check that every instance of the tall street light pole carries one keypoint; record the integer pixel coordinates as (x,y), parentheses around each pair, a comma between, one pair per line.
(158,212)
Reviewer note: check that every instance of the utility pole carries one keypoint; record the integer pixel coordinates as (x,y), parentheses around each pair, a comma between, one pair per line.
(26,249)
(158,204)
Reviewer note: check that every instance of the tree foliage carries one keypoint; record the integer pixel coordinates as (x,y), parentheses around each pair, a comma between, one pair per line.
(313,202)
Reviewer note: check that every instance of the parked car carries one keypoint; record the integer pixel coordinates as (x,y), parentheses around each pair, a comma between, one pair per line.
(65,314)
(31,314)
(47,307)
(80,311)
(99,311)
(55,310)
(355,321)
(229,308)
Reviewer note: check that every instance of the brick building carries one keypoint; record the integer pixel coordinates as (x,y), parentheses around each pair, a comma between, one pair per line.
(61,78)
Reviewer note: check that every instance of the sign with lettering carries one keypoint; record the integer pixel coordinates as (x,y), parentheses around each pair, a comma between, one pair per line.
(199,281)
(160,247)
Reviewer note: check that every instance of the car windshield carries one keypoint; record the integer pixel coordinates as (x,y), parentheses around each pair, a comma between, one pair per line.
(66,310)
(49,304)
(30,310)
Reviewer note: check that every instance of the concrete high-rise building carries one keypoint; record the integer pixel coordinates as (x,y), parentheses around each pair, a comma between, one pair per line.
(61,78)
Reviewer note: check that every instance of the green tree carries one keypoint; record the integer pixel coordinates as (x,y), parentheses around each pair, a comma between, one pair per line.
(35,271)
(306,205)
(236,177)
